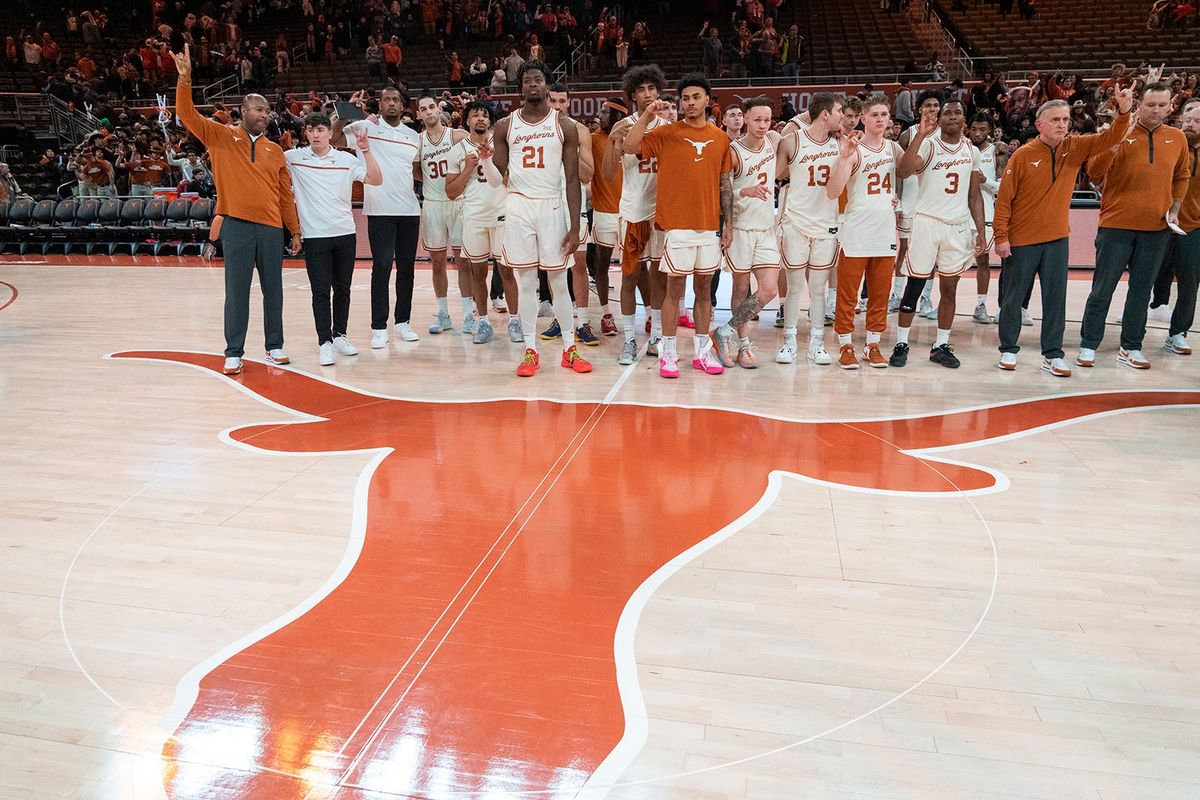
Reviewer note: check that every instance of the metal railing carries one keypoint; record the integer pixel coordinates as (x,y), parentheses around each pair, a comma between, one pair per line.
(7,151)
(229,85)
(70,125)
(578,57)
(932,29)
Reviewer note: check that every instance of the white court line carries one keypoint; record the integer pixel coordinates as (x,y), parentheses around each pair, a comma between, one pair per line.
(623,649)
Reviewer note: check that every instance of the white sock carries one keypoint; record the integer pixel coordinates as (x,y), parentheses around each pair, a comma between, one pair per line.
(745,343)
(699,344)
(604,312)
(814,337)
(843,338)
(725,330)
(981,299)
(668,345)
(443,307)
(562,305)
(628,325)
(527,288)
(584,317)
(943,337)
(468,306)
(902,335)
(791,303)
(655,323)
(818,279)
(873,337)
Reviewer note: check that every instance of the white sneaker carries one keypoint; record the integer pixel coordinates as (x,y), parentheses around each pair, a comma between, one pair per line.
(861,306)
(1160,314)
(379,339)
(1008,361)
(1178,345)
(981,314)
(893,303)
(325,357)
(233,366)
(545,309)
(817,354)
(1086,357)
(925,308)
(468,324)
(1026,320)
(343,346)
(1132,358)
(404,331)
(441,322)
(515,333)
(628,353)
(277,356)
(1056,367)
(787,353)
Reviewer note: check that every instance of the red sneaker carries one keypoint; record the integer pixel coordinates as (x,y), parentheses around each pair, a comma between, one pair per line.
(529,365)
(608,325)
(686,321)
(572,360)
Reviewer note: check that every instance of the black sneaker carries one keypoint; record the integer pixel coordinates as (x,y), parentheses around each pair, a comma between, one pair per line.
(942,354)
(899,355)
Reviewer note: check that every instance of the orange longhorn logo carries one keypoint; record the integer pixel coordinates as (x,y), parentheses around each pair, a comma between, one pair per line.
(469,645)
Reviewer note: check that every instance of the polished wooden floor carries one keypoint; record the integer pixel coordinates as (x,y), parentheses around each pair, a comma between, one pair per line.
(415,575)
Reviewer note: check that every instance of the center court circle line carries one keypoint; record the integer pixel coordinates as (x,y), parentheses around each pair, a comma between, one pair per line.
(622,755)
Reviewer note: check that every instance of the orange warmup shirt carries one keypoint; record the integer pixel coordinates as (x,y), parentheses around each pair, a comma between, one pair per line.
(1034,200)
(252,178)
(606,195)
(1189,213)
(1143,176)
(691,162)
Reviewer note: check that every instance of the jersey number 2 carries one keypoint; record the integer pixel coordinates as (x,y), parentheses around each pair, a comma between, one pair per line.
(533,158)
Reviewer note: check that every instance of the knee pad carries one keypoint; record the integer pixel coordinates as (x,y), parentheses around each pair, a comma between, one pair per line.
(912,293)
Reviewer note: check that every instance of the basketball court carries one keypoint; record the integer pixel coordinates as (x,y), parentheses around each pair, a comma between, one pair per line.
(415,575)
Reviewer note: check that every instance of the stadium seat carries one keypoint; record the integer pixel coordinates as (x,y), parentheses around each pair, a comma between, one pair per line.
(131,229)
(200,216)
(107,219)
(20,218)
(175,227)
(153,218)
(64,221)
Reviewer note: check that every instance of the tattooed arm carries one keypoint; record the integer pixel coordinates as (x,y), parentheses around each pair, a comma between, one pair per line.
(726,210)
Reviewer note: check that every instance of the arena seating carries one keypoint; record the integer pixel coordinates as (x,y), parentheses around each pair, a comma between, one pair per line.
(1084,34)
(111,223)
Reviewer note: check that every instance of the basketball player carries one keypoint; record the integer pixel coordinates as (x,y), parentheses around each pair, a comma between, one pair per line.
(852,111)
(441,217)
(536,151)
(866,170)
(483,220)
(695,191)
(392,210)
(927,102)
(323,179)
(754,246)
(560,101)
(943,239)
(640,242)
(606,206)
(981,136)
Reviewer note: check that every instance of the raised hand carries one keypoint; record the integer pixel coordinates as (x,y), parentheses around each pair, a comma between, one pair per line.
(362,139)
(183,63)
(1154,75)
(929,121)
(848,144)
(485,151)
(1124,98)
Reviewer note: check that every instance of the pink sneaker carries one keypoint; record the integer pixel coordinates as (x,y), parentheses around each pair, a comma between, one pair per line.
(707,363)
(686,321)
(668,365)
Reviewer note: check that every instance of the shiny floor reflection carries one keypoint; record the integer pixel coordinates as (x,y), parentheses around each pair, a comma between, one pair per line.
(471,646)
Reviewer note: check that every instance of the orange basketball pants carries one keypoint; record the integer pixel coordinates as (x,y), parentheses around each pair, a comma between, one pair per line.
(878,270)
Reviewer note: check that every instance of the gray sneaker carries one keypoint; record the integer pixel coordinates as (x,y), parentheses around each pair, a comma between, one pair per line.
(926,308)
(441,323)
(483,332)
(468,324)
(515,334)
(652,347)
(628,353)
(981,315)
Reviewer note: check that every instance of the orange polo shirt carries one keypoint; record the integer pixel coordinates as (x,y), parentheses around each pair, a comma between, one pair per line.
(1189,213)
(251,175)
(1144,175)
(1034,200)
(606,195)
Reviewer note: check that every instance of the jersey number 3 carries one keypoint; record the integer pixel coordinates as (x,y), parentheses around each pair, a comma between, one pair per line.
(533,158)
(952,178)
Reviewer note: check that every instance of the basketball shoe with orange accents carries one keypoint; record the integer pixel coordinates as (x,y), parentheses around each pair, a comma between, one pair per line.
(529,365)
(572,360)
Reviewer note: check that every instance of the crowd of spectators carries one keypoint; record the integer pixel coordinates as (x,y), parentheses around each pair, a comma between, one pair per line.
(1173,14)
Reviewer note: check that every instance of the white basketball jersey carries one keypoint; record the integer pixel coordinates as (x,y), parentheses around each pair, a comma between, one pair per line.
(945,177)
(435,163)
(808,207)
(987,165)
(535,156)
(754,168)
(583,187)
(910,186)
(869,226)
(482,203)
(639,187)
(395,148)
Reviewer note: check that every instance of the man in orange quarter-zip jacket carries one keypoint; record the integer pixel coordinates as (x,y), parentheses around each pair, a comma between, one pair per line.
(254,196)
(1145,181)
(1031,223)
